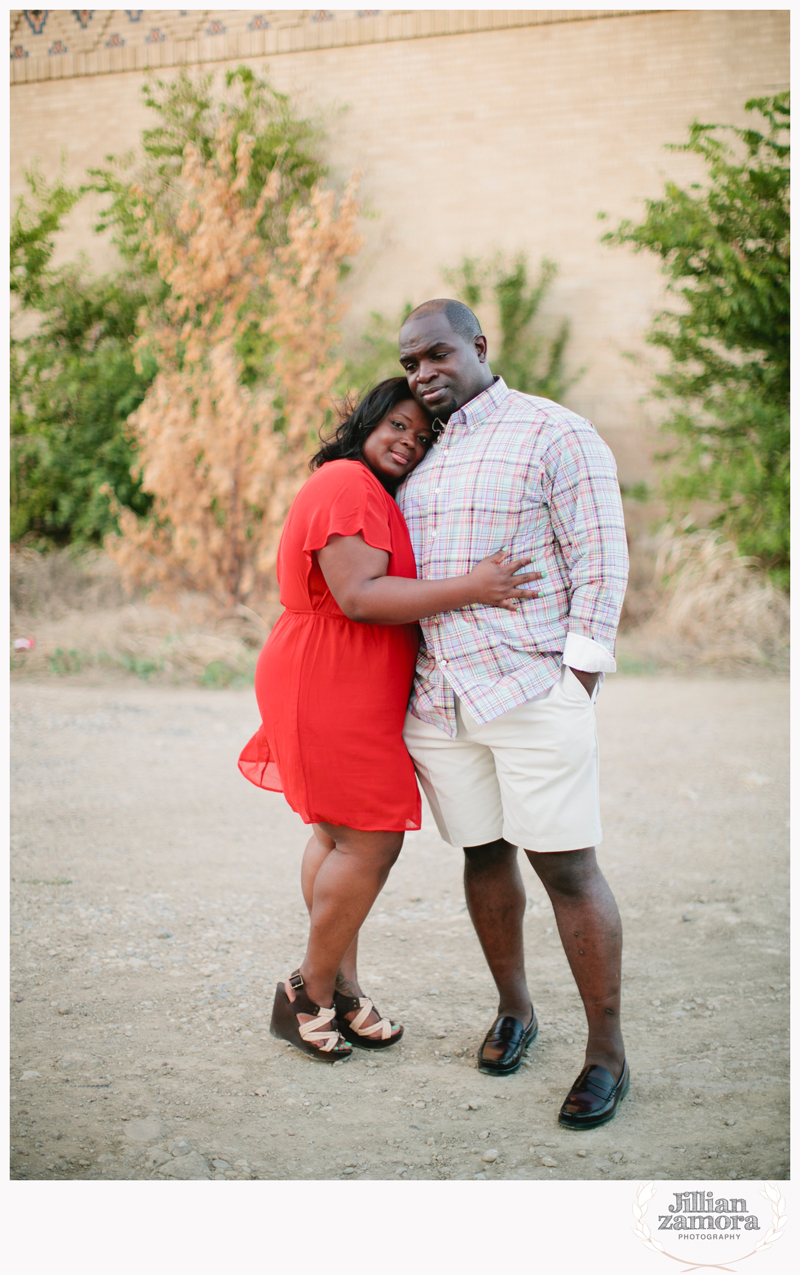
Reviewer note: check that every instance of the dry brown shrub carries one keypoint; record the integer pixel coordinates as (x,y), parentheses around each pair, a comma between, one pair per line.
(223,461)
(713,607)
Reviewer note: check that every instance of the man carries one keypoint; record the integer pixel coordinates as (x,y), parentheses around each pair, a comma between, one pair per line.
(501,721)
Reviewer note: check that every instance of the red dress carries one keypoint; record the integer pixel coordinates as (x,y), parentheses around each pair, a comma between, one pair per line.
(332,692)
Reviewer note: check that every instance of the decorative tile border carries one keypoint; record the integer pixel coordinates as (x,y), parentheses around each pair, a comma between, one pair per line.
(226,34)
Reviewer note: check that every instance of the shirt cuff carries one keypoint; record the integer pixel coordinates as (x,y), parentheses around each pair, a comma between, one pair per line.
(587,655)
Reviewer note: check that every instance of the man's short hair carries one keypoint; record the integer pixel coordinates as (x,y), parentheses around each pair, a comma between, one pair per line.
(458,315)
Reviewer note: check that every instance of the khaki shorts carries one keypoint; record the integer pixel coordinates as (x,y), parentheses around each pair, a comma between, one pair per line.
(531,775)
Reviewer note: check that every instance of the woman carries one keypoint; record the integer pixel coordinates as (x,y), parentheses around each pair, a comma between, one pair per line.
(332,685)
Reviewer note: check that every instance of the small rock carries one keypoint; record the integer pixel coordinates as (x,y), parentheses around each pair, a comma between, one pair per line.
(29,1075)
(474,1106)
(490,1156)
(686,917)
(617,1157)
(187,1168)
(582,1154)
(464,1106)
(19,998)
(441,1035)
(163,934)
(180,1147)
(79,1062)
(261,1093)
(548,1162)
(65,1009)
(147,1130)
(731,1122)
(154,1156)
(433,991)
(220,1165)
(485,1134)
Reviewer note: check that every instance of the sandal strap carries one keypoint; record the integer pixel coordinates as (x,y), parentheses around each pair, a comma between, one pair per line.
(302,1003)
(312,1031)
(383,1026)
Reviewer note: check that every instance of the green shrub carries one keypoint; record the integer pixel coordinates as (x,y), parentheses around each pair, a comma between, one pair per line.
(64,662)
(724,245)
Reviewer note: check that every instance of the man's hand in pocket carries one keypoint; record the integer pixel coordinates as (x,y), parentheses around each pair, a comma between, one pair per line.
(587,680)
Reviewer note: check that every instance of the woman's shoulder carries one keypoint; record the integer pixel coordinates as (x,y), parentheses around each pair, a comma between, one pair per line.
(339,473)
(343,476)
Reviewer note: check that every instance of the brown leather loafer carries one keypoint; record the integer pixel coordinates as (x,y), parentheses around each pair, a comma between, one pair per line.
(594,1098)
(513,1039)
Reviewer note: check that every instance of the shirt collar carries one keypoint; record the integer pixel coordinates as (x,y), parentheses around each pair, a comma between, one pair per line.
(480,408)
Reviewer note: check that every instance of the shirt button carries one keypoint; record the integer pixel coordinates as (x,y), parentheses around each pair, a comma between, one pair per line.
(436,491)
(444,661)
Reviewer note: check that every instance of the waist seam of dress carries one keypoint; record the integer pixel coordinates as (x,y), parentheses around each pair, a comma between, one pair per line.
(327,615)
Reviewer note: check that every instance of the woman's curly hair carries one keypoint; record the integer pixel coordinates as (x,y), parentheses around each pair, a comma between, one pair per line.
(357,421)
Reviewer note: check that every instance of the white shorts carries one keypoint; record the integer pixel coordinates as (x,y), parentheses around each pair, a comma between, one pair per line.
(531,775)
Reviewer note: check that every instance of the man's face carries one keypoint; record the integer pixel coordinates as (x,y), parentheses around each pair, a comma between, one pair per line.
(443,370)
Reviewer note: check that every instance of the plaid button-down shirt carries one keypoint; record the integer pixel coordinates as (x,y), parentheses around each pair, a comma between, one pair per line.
(521,472)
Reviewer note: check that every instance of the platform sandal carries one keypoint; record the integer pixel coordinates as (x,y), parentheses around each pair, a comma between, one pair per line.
(378,1035)
(319,1037)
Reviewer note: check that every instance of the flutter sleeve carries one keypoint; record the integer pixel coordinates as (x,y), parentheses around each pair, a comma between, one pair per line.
(343,500)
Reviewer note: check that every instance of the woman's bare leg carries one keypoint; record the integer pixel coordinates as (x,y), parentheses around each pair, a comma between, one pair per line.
(317,850)
(340,884)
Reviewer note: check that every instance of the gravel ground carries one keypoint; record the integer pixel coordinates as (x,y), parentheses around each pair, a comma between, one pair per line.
(156,901)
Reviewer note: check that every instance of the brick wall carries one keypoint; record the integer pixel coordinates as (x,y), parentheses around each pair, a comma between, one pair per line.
(511,138)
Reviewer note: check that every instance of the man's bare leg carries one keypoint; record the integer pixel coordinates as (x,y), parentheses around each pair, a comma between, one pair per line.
(591,931)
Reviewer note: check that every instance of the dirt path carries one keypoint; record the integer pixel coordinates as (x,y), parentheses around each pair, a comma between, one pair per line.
(155,902)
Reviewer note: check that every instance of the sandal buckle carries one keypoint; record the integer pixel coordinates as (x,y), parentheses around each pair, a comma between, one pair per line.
(296,981)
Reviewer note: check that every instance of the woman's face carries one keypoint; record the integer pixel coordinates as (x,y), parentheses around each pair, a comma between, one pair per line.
(398,444)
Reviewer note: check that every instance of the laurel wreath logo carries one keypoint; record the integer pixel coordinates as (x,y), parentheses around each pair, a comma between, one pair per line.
(645,1194)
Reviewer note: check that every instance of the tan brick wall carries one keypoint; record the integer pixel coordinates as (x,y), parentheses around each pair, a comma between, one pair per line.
(509,139)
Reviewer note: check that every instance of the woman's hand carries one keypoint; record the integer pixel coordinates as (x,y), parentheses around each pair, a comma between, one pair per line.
(495,584)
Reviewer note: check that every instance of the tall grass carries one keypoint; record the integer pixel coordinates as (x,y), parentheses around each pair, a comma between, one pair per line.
(712,606)
(81,619)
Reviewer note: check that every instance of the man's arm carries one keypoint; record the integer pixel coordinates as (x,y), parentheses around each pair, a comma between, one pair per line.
(588,522)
